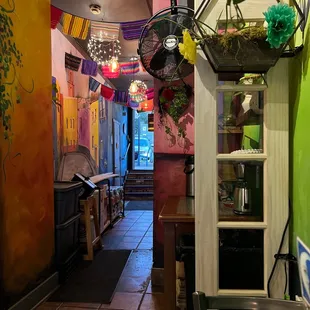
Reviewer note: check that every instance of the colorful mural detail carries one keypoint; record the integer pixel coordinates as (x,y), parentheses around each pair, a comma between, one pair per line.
(70,124)
(94,131)
(84,122)
(26,204)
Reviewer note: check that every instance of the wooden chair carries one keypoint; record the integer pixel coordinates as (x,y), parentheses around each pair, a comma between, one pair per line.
(90,207)
(203,302)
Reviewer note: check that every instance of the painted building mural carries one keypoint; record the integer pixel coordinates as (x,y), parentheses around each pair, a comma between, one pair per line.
(94,131)
(26,185)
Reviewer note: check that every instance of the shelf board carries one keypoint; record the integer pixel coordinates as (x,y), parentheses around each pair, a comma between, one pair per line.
(247,224)
(245,88)
(232,130)
(260,156)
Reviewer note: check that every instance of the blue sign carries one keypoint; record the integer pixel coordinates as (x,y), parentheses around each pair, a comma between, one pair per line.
(303,258)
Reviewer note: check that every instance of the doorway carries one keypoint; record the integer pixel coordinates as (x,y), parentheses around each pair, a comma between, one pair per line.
(116,151)
(143,141)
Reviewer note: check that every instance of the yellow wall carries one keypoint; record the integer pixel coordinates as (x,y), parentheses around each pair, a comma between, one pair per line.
(26,194)
(94,131)
(70,122)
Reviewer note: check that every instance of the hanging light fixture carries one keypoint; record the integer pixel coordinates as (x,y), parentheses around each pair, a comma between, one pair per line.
(102,52)
(146,106)
(137,91)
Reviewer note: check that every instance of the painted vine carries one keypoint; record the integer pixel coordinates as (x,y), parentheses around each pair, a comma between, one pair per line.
(10,86)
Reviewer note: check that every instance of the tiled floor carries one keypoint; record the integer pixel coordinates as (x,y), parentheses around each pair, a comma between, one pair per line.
(135,231)
(134,290)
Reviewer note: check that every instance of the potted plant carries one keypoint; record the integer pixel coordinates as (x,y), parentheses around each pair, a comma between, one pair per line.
(173,102)
(238,45)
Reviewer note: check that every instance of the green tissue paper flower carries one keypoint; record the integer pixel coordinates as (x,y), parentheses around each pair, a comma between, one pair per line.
(281,24)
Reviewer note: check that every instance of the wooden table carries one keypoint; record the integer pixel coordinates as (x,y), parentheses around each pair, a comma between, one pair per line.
(177,216)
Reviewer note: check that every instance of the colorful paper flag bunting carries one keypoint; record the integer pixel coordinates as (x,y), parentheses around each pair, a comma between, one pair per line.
(72,62)
(130,67)
(132,30)
(93,84)
(55,16)
(104,31)
(107,92)
(74,26)
(89,67)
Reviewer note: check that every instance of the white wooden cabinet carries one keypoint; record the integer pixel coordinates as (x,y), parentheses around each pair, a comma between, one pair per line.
(217,271)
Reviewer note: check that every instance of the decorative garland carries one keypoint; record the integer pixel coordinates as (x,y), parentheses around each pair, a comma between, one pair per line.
(174,101)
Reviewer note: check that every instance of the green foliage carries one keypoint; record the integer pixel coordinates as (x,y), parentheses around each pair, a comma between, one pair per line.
(174,100)
(10,58)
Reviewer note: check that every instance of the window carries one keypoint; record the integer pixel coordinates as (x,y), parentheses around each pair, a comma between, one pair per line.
(67,123)
(72,122)
(92,141)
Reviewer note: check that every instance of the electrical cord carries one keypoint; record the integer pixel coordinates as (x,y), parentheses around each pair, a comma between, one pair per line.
(280,248)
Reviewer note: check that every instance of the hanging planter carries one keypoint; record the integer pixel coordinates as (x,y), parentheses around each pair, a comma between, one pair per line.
(174,101)
(240,46)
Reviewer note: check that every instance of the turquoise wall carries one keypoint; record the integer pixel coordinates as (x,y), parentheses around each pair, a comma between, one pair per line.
(300,145)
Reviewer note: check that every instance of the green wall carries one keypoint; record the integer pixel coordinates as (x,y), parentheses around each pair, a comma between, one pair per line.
(300,144)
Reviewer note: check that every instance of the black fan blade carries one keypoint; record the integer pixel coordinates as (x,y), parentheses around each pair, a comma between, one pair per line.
(158,61)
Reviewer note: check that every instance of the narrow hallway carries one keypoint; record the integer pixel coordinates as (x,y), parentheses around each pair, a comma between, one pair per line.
(134,290)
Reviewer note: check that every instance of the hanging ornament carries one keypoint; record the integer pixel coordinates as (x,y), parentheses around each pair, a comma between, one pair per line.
(137,91)
(133,104)
(103,51)
(146,106)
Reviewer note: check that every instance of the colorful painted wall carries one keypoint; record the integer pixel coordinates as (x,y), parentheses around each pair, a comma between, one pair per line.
(169,179)
(299,143)
(26,184)
(84,122)
(94,131)
(75,108)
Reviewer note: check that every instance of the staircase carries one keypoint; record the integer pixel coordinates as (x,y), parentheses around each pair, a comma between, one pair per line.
(139,185)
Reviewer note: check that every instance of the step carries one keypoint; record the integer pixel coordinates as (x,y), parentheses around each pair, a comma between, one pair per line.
(139,182)
(136,192)
(136,198)
(127,186)
(140,177)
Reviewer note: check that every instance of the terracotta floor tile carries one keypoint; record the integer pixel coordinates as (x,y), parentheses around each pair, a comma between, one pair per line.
(145,246)
(127,245)
(133,284)
(153,302)
(139,264)
(123,226)
(144,225)
(135,233)
(49,306)
(137,228)
(81,305)
(147,239)
(126,301)
(118,232)
(131,239)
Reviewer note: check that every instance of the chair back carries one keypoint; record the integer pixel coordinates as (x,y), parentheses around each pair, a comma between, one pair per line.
(203,302)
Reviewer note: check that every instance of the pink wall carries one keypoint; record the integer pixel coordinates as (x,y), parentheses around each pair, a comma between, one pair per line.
(175,145)
(60,46)
(169,178)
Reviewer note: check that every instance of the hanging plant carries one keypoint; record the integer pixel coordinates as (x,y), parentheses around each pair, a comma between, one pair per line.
(10,60)
(174,101)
